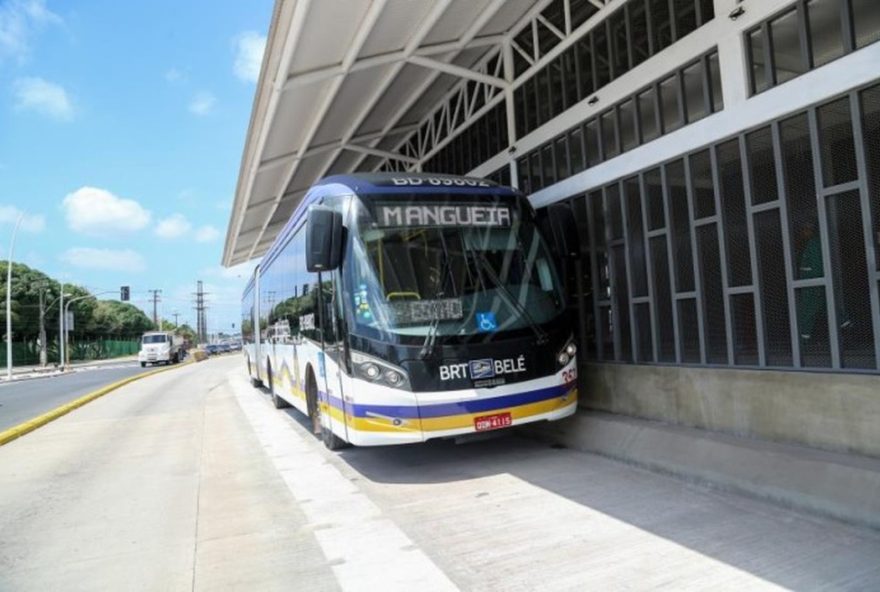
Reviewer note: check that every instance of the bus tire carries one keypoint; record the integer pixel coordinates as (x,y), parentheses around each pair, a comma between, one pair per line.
(277,401)
(331,440)
(255,381)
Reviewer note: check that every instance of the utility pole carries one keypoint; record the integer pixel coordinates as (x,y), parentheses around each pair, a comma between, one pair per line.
(201,319)
(9,301)
(62,330)
(41,291)
(175,314)
(155,298)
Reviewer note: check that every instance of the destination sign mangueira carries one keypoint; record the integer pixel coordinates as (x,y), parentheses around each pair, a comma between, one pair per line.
(442,215)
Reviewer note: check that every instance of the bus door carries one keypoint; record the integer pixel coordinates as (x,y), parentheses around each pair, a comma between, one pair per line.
(332,357)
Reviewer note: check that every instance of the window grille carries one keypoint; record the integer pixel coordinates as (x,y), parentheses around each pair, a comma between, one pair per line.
(758,251)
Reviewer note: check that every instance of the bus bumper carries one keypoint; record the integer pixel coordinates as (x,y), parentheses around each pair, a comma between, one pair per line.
(455,413)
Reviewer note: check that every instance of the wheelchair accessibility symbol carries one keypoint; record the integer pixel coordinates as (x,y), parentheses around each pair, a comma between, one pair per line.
(486,322)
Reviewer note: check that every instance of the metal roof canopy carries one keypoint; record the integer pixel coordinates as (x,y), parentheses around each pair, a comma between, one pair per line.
(345,82)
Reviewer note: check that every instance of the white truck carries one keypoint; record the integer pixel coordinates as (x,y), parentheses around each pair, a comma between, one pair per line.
(160,346)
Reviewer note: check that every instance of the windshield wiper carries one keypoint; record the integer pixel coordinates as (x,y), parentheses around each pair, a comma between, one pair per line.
(431,336)
(510,297)
(430,339)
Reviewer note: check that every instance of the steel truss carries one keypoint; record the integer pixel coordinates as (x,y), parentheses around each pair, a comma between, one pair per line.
(483,86)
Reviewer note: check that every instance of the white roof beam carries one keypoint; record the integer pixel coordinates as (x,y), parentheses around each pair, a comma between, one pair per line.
(484,41)
(320,74)
(488,12)
(378,152)
(423,30)
(543,20)
(288,158)
(457,71)
(354,49)
(298,20)
(325,73)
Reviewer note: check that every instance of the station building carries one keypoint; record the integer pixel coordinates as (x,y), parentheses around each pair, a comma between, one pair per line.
(721,158)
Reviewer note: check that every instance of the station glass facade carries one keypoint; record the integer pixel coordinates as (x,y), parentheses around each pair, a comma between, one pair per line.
(758,250)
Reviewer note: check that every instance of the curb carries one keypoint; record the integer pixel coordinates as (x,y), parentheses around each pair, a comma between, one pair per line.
(21,429)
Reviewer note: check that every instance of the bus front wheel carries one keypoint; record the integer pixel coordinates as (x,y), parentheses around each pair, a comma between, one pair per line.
(331,440)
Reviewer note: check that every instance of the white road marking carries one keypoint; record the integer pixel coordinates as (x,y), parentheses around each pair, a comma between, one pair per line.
(366,549)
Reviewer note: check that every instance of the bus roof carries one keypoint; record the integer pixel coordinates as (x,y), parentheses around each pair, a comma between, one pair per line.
(366,183)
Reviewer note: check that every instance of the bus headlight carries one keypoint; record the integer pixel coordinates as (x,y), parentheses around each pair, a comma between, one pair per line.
(379,371)
(567,353)
(393,377)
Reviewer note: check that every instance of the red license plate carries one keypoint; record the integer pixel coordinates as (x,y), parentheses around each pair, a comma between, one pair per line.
(492,422)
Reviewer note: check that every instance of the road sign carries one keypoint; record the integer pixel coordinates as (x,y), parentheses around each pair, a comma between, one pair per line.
(68,321)
(124,293)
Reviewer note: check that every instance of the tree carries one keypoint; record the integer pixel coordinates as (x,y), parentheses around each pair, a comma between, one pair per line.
(26,286)
(118,318)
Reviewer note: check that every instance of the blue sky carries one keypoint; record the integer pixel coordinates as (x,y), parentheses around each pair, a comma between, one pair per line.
(121,132)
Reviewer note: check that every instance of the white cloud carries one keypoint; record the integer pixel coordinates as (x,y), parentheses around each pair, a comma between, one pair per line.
(249,48)
(188,195)
(175,75)
(98,212)
(104,259)
(174,226)
(202,103)
(207,234)
(42,96)
(29,223)
(19,21)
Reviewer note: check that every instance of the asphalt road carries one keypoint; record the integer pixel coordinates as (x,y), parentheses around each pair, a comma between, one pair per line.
(190,480)
(22,400)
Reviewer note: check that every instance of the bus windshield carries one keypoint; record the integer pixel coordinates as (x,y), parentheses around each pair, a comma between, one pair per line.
(448,266)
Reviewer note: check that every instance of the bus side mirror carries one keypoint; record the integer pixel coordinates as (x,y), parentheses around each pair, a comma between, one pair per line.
(323,239)
(563,231)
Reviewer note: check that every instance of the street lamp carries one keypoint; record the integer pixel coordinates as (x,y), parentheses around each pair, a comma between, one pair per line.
(65,307)
(9,301)
(60,300)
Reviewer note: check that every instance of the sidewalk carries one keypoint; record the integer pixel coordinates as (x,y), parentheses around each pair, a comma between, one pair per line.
(36,371)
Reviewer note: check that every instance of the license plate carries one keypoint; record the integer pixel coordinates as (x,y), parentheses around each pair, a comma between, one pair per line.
(492,422)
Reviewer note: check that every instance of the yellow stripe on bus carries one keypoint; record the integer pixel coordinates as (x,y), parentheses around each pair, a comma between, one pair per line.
(453,422)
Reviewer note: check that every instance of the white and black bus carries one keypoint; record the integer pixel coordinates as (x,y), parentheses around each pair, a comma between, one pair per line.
(395,308)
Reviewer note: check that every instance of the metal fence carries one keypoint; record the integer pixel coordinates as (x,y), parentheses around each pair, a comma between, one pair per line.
(760,250)
(28,353)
